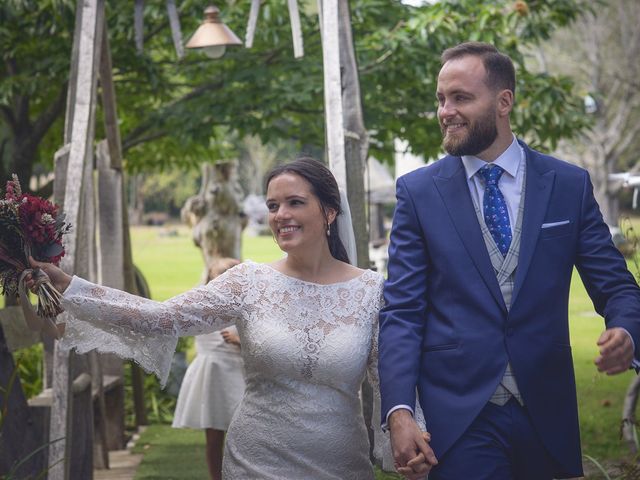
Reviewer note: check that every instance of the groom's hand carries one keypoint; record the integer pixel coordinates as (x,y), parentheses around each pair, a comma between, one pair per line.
(616,351)
(411,452)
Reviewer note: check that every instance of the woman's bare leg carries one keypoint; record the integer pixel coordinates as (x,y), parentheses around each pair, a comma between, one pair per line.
(215,445)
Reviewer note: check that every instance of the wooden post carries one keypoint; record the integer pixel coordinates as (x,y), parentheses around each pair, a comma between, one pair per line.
(21,435)
(109,104)
(329,30)
(176,33)
(80,450)
(116,260)
(60,162)
(356,148)
(73,74)
(138,25)
(100,443)
(356,141)
(17,334)
(347,140)
(131,286)
(111,263)
(296,30)
(71,457)
(110,181)
(251,25)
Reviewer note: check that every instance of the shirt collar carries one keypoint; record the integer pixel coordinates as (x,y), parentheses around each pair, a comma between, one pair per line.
(509,160)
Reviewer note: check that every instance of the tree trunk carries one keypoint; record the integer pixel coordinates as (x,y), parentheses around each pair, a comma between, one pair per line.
(19,151)
(609,205)
(356,146)
(23,156)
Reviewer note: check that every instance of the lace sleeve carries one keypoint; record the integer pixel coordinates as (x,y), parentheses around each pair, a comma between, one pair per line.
(146,331)
(381,442)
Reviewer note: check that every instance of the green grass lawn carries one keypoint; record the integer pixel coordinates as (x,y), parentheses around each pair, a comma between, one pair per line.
(172,264)
(178,454)
(600,397)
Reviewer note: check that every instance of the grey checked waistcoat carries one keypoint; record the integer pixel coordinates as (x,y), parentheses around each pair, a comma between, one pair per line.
(505,270)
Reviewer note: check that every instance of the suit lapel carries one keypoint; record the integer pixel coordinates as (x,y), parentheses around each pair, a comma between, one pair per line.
(537,195)
(453,188)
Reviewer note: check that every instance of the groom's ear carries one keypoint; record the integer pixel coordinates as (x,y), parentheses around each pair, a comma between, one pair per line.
(505,102)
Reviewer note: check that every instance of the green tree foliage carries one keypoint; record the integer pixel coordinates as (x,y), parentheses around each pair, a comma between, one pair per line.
(601,54)
(33,76)
(400,63)
(168,191)
(181,112)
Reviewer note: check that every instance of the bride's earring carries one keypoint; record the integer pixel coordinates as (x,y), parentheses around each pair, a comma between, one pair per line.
(328,230)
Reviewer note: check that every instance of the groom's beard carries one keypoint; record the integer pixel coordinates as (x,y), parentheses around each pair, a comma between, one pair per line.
(481,135)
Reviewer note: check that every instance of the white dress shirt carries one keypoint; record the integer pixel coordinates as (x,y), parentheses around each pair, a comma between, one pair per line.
(510,184)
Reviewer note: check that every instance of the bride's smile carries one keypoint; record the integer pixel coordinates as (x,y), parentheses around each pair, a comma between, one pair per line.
(296,217)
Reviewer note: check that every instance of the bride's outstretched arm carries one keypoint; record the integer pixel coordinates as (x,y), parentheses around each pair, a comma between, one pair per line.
(112,321)
(201,310)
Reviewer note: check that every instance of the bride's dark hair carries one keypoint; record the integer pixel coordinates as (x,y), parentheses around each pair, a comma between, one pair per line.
(324,187)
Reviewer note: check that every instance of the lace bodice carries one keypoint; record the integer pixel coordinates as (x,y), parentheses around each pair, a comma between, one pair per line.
(306,348)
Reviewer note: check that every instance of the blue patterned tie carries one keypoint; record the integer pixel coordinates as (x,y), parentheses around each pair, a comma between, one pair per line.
(496,215)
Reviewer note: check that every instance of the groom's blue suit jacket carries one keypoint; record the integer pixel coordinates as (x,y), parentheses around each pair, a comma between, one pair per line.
(445,328)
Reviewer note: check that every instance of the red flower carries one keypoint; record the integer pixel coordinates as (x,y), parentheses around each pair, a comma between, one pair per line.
(39,221)
(29,225)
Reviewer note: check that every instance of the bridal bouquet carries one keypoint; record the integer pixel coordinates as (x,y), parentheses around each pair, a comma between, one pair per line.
(30,226)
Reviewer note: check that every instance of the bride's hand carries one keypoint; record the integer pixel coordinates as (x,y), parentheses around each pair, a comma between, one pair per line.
(59,279)
(418,467)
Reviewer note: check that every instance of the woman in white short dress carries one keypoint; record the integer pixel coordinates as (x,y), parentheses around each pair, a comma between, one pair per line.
(308,328)
(213,384)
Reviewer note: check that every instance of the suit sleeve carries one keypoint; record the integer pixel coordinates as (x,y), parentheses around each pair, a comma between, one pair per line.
(612,288)
(403,315)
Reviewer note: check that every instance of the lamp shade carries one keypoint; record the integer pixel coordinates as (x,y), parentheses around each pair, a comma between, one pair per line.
(212,32)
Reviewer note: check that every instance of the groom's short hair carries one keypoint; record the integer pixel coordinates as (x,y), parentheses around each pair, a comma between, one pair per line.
(501,73)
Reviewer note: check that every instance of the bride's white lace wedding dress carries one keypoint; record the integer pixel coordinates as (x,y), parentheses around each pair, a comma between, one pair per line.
(306,349)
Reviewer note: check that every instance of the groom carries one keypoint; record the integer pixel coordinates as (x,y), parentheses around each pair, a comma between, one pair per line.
(483,246)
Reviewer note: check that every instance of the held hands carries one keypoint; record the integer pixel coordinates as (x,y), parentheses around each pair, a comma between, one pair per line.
(59,279)
(616,351)
(410,446)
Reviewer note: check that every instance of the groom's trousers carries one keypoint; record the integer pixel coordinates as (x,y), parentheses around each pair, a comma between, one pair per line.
(500,444)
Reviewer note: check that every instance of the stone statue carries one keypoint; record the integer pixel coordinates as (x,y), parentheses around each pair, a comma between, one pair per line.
(216,214)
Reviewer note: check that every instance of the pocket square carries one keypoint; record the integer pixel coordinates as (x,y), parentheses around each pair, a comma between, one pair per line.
(554,224)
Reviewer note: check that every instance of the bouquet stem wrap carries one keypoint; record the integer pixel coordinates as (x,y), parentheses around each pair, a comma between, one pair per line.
(48,303)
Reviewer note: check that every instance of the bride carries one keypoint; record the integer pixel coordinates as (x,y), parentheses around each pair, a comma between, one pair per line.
(307,324)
